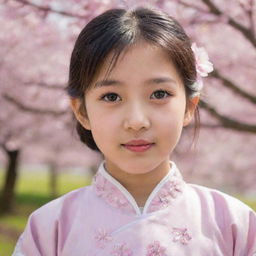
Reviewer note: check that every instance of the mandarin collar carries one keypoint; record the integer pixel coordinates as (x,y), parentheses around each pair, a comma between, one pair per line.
(115,194)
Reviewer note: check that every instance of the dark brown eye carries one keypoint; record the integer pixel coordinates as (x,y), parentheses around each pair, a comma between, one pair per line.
(112,97)
(159,94)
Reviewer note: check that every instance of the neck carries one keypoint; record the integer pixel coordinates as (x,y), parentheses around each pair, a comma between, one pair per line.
(140,185)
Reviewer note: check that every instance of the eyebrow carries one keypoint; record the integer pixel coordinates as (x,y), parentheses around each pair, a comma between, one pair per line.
(112,82)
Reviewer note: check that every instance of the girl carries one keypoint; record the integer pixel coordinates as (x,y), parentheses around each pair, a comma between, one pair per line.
(134,84)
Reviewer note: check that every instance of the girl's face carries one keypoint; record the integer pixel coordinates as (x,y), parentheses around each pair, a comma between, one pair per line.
(143,98)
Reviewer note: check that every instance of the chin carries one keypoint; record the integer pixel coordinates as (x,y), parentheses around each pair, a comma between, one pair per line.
(137,168)
(137,171)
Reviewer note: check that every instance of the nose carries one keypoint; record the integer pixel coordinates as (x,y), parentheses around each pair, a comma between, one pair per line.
(136,117)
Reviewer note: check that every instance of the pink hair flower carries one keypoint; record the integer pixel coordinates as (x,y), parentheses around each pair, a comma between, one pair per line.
(203,65)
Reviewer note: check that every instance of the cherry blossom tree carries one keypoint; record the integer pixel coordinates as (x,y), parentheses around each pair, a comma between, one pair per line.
(34,102)
(36,42)
(202,19)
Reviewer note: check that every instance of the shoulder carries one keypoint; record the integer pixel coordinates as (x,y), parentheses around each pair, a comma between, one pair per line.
(236,220)
(55,208)
(45,223)
(218,198)
(222,206)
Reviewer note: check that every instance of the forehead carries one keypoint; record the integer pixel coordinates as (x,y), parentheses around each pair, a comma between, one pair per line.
(139,60)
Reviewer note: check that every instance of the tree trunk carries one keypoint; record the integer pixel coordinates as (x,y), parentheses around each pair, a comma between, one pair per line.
(53,180)
(7,198)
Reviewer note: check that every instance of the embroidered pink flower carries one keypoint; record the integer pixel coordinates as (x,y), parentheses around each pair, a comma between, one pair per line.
(116,199)
(167,193)
(102,237)
(114,195)
(155,249)
(174,187)
(121,250)
(203,65)
(111,194)
(181,235)
(161,200)
(100,185)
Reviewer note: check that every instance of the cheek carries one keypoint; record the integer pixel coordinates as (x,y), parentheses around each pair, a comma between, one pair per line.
(104,120)
(103,124)
(170,123)
(171,116)
(170,127)
(106,134)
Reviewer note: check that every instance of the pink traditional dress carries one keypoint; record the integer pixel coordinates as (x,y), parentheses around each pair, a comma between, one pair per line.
(104,220)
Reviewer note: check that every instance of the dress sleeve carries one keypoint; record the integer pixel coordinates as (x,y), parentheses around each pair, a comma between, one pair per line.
(244,233)
(237,223)
(40,235)
(18,251)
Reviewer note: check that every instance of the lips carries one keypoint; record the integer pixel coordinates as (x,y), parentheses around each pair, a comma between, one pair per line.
(138,145)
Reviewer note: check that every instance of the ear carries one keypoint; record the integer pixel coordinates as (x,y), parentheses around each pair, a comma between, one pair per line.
(75,105)
(190,109)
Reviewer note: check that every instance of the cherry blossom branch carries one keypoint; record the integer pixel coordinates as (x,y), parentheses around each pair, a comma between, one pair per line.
(248,9)
(47,9)
(250,16)
(248,33)
(4,140)
(207,126)
(226,121)
(189,5)
(45,85)
(3,146)
(11,47)
(211,126)
(231,85)
(32,109)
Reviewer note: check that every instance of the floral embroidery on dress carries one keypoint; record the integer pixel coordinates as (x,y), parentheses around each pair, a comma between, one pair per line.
(110,193)
(100,185)
(102,237)
(121,250)
(107,188)
(181,235)
(167,193)
(155,249)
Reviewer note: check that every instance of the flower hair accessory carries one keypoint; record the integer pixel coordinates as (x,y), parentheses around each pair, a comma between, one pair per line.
(203,66)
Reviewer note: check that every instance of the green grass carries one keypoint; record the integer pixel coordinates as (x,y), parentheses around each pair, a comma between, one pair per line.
(250,202)
(38,183)
(14,221)
(6,245)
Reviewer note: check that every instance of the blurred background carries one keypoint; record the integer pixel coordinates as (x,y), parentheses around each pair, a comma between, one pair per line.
(40,154)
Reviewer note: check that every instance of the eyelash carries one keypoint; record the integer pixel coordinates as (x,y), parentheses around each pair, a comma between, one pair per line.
(112,93)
